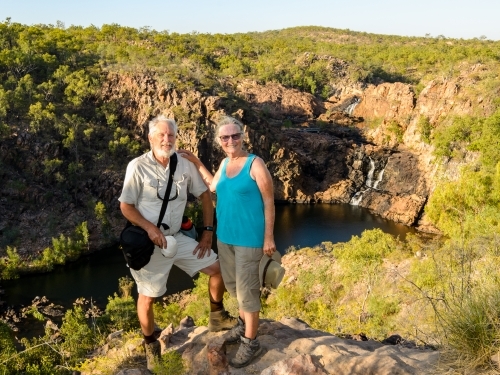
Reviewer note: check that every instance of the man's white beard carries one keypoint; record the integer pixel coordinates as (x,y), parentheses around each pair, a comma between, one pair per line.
(165,154)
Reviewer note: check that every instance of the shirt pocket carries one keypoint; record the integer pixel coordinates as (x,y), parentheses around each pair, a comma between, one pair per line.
(150,188)
(180,186)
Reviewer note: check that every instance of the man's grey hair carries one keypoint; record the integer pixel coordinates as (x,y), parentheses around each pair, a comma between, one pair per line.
(161,118)
(227,120)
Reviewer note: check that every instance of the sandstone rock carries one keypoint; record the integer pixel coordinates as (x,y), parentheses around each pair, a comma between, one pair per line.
(186,322)
(115,335)
(164,337)
(292,347)
(300,365)
(388,101)
(279,102)
(216,356)
(51,325)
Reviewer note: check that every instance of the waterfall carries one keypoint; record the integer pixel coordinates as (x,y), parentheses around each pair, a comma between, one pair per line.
(350,108)
(370,184)
(356,198)
(379,178)
(369,177)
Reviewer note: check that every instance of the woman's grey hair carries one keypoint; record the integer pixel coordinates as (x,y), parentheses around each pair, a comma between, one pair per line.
(227,120)
(161,118)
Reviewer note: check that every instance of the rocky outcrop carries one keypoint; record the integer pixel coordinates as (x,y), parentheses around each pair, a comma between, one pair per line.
(329,167)
(279,103)
(387,101)
(387,168)
(290,347)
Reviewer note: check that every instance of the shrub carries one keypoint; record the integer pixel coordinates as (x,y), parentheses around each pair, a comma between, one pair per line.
(472,327)
(121,312)
(353,288)
(7,348)
(365,252)
(167,313)
(171,363)
(63,249)
(394,128)
(467,207)
(448,141)
(51,354)
(123,143)
(100,213)
(10,265)
(79,339)
(425,128)
(39,357)
(125,285)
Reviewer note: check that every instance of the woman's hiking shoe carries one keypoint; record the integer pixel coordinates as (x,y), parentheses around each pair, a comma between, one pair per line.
(235,333)
(248,350)
(220,321)
(153,354)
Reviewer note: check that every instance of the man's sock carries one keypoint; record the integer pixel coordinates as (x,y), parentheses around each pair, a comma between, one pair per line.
(149,339)
(216,306)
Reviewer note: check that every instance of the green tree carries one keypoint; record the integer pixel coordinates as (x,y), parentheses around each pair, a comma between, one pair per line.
(41,117)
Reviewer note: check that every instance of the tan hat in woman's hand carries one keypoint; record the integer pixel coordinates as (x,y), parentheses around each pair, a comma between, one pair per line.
(270,271)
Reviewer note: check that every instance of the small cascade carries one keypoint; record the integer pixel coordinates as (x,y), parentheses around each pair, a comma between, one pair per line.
(369,177)
(350,108)
(370,183)
(379,178)
(356,198)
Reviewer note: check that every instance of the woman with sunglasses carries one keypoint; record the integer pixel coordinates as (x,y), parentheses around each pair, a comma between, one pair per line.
(245,229)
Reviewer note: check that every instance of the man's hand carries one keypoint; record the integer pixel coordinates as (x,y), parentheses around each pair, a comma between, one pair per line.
(157,236)
(205,245)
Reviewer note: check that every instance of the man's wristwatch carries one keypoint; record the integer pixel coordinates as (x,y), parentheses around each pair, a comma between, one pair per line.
(208,228)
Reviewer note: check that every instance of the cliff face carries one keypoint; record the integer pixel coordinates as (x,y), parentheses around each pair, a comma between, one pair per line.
(368,149)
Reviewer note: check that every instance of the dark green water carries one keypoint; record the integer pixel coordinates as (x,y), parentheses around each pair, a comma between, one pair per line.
(96,276)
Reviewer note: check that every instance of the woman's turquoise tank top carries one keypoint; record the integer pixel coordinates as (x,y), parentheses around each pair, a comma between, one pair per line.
(240,208)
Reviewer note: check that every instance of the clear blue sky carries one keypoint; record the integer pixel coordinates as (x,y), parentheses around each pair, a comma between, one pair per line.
(452,18)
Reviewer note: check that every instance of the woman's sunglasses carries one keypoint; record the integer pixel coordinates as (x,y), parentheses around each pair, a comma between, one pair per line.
(234,137)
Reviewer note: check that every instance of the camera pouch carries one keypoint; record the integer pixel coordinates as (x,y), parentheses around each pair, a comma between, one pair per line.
(136,246)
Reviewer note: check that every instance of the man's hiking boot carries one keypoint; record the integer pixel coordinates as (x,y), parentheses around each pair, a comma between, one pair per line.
(153,354)
(235,333)
(248,350)
(220,321)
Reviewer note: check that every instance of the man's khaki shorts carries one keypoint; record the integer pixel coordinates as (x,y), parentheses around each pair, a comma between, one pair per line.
(152,279)
(240,272)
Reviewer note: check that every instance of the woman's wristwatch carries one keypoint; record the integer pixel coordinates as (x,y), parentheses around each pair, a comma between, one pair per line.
(208,228)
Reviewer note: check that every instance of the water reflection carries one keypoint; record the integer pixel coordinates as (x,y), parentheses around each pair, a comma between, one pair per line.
(308,225)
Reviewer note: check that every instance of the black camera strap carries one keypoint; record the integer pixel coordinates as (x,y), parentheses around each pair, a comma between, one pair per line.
(173,166)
